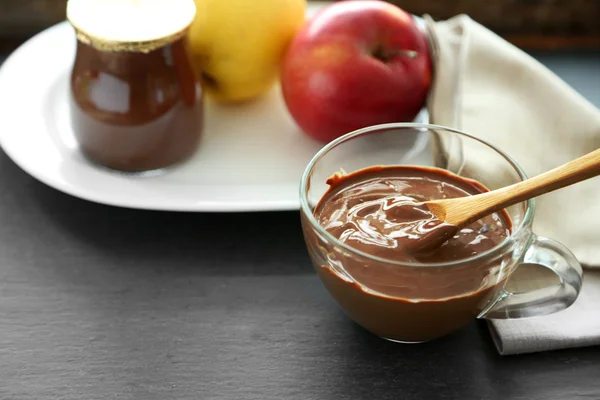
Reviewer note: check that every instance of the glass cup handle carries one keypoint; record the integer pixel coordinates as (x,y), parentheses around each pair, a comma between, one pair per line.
(557,258)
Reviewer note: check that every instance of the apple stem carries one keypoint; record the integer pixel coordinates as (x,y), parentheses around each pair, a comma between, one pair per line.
(385,55)
(407,53)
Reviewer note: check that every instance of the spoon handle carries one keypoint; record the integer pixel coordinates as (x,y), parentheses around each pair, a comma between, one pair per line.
(463,210)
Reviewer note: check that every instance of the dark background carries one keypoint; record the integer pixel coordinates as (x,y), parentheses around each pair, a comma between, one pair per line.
(530,24)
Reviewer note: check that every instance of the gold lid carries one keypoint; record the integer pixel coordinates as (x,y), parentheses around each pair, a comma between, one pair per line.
(130,25)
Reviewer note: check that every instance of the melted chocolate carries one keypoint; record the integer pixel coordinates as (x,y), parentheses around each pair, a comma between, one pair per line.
(378,211)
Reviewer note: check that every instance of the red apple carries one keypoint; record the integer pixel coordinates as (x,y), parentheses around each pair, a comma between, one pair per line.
(355,64)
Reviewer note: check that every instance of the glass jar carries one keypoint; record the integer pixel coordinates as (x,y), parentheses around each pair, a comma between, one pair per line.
(135,102)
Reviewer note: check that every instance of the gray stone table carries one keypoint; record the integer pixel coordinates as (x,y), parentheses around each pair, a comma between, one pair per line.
(107,303)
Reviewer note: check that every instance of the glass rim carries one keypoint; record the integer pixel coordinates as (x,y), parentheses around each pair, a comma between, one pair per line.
(305,207)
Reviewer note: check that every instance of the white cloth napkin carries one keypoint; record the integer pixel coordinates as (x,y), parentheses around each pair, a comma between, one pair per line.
(577,326)
(491,89)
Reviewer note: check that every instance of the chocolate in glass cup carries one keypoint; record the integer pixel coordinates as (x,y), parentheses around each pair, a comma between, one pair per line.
(413,301)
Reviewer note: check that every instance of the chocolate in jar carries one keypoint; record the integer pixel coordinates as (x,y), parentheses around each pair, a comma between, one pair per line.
(136,103)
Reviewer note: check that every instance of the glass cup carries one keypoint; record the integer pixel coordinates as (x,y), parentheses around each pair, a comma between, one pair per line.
(410,309)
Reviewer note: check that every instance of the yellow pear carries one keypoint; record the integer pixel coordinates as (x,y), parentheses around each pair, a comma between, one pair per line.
(237,45)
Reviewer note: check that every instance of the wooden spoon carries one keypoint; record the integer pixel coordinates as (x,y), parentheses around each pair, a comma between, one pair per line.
(456,213)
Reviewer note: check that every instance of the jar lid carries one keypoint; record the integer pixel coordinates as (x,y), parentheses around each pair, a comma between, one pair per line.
(130,25)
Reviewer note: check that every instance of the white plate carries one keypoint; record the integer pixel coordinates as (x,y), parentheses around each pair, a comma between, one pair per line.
(251,157)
